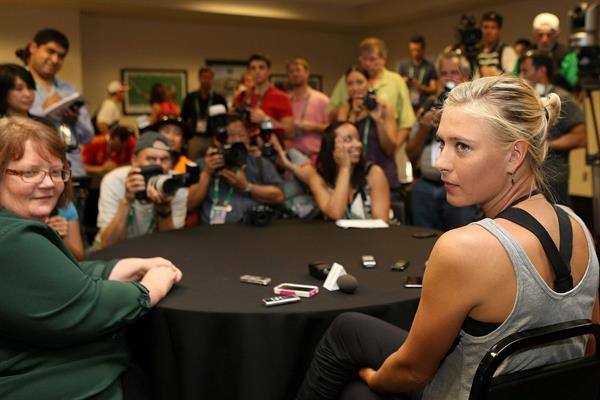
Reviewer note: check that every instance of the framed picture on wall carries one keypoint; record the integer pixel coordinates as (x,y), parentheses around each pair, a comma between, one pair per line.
(228,76)
(280,81)
(141,81)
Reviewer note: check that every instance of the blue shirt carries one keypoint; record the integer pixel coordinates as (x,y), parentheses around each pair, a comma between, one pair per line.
(259,171)
(82,129)
(69,212)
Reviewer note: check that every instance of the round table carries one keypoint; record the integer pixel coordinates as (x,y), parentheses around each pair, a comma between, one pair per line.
(212,338)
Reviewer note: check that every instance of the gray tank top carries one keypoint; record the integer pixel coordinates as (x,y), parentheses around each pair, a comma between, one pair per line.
(536,305)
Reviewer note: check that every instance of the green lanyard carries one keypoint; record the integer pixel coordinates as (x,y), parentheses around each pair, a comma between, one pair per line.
(365,138)
(131,220)
(197,103)
(411,73)
(217,190)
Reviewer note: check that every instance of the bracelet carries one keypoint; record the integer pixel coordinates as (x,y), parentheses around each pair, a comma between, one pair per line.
(164,213)
(248,188)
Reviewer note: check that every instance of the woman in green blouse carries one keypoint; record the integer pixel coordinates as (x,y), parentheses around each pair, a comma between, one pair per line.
(60,320)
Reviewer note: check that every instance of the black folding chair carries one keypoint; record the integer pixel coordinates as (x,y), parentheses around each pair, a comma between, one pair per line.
(577,379)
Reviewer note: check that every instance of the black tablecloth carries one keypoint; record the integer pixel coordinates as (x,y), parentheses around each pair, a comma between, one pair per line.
(212,338)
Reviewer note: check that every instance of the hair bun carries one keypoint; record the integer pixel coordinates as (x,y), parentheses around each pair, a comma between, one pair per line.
(552,107)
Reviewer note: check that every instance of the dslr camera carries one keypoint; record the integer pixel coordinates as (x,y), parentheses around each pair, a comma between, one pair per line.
(585,37)
(242,110)
(468,35)
(370,102)
(266,131)
(167,184)
(234,155)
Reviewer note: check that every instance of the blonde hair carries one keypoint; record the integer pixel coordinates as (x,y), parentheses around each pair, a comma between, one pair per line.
(16,131)
(514,111)
(372,44)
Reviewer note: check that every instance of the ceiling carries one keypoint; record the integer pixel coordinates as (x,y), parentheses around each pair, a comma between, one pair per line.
(331,15)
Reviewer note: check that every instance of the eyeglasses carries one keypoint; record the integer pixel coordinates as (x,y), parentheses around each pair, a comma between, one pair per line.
(38,175)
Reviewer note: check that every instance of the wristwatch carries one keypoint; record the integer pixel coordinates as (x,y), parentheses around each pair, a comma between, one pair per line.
(248,188)
(164,213)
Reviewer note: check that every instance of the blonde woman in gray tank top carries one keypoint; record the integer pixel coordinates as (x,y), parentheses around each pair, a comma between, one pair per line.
(483,281)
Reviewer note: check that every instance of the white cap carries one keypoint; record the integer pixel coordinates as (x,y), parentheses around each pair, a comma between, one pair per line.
(546,19)
(115,87)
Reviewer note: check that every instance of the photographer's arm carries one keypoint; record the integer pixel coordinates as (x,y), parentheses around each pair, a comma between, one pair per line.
(197,192)
(117,228)
(388,134)
(416,142)
(114,207)
(268,194)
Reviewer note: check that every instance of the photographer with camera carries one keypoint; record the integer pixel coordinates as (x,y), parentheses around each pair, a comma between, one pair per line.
(375,120)
(232,181)
(263,101)
(134,200)
(495,57)
(429,205)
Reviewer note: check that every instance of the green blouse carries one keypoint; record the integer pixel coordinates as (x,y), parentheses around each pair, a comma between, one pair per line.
(60,321)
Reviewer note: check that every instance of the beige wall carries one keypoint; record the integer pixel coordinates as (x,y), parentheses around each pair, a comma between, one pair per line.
(113,43)
(19,24)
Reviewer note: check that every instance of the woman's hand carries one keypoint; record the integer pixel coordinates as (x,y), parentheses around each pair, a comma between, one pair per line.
(379,113)
(159,281)
(340,154)
(134,269)
(59,224)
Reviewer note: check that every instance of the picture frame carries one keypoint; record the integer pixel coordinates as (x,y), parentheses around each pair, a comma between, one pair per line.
(228,76)
(140,82)
(280,81)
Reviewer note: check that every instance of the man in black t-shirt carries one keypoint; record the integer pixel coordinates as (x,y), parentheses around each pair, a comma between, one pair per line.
(195,112)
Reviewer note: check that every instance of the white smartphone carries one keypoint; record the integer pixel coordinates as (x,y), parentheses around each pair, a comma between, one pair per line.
(294,289)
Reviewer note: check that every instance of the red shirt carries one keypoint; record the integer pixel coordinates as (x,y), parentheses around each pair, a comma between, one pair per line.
(96,152)
(275,103)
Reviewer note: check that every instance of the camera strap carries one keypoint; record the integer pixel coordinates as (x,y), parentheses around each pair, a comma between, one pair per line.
(131,220)
(261,95)
(411,72)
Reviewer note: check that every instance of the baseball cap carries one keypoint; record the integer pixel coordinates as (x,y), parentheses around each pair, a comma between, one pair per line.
(169,119)
(493,16)
(547,19)
(152,140)
(116,86)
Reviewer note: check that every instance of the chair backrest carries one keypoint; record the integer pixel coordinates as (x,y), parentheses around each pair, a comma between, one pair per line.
(573,379)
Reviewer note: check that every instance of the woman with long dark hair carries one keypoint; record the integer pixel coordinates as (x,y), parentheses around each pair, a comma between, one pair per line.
(344,185)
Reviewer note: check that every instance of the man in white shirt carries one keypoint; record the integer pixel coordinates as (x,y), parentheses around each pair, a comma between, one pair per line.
(129,206)
(109,113)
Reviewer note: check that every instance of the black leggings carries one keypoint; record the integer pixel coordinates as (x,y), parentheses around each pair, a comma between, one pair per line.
(352,341)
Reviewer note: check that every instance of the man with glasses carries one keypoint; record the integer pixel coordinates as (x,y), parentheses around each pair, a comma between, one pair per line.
(129,206)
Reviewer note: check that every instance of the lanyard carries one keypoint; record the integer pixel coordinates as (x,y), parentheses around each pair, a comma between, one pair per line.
(131,220)
(261,94)
(365,138)
(217,190)
(411,73)
(197,103)
(304,106)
